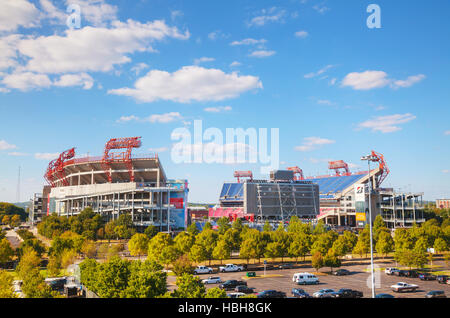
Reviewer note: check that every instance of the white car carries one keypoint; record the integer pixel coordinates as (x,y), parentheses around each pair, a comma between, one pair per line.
(235,295)
(305,279)
(230,268)
(390,270)
(212,280)
(401,287)
(203,270)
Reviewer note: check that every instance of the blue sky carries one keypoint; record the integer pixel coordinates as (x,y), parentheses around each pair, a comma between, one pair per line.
(335,88)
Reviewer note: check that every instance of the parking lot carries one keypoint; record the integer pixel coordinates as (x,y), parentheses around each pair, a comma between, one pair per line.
(359,279)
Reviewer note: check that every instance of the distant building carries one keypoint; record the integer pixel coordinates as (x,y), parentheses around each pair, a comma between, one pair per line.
(443,203)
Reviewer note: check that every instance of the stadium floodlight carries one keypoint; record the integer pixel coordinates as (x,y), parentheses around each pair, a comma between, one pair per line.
(370,158)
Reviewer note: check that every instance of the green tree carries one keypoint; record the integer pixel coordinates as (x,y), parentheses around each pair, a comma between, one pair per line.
(216,292)
(151,231)
(403,239)
(6,251)
(138,244)
(222,250)
(6,289)
(54,266)
(224,225)
(300,246)
(192,229)
(29,261)
(68,258)
(34,286)
(122,232)
(89,249)
(146,280)
(157,244)
(320,228)
(198,253)
(207,239)
(440,245)
(267,227)
(331,260)
(183,242)
(317,261)
(112,277)
(237,225)
(15,220)
(189,286)
(182,266)
(385,244)
(168,255)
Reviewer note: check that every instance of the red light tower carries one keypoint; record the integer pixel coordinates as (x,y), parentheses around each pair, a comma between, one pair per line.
(55,169)
(298,173)
(120,143)
(243,174)
(378,157)
(339,164)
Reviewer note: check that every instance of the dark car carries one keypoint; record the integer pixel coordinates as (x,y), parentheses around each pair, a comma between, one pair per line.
(286,266)
(271,294)
(341,272)
(384,296)
(300,293)
(427,276)
(348,293)
(442,279)
(436,294)
(244,289)
(411,273)
(232,284)
(400,273)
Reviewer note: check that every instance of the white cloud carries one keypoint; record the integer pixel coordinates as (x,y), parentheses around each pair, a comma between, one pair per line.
(82,79)
(97,12)
(94,49)
(235,64)
(447,132)
(17,154)
(273,14)
(4,145)
(446,171)
(376,79)
(25,81)
(325,102)
(262,53)
(176,14)
(138,68)
(190,83)
(46,156)
(218,109)
(387,124)
(203,60)
(319,72)
(312,143)
(411,80)
(248,41)
(15,13)
(301,34)
(333,81)
(366,80)
(8,53)
(321,8)
(155,118)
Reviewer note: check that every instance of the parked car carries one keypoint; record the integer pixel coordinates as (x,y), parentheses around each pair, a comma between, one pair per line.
(411,273)
(203,270)
(305,279)
(212,280)
(442,279)
(427,276)
(244,289)
(400,273)
(324,293)
(232,284)
(235,295)
(286,266)
(230,268)
(436,294)
(384,296)
(404,287)
(271,294)
(341,272)
(391,270)
(300,293)
(348,293)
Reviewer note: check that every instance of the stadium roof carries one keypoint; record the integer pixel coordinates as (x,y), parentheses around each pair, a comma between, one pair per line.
(335,184)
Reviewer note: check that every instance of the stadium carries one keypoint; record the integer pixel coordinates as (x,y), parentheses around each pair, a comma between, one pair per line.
(117,182)
(343,197)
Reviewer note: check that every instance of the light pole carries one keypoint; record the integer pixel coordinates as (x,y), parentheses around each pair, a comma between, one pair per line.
(370,158)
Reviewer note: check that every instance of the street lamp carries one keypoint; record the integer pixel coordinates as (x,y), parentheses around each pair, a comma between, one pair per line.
(370,158)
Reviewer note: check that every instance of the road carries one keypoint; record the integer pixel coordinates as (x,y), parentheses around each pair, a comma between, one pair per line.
(358,279)
(13,238)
